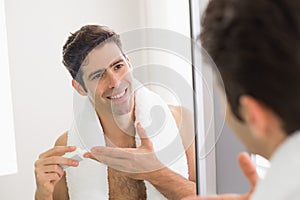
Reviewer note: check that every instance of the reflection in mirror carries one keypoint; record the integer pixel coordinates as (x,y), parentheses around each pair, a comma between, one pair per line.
(115,99)
(149,82)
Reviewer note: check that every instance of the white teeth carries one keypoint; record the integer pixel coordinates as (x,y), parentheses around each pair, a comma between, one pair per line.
(118,96)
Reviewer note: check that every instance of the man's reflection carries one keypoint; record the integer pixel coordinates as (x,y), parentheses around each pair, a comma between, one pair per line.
(100,71)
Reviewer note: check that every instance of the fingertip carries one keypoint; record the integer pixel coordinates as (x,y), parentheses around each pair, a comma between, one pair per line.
(243,153)
(141,131)
(75,163)
(72,148)
(87,155)
(138,125)
(243,156)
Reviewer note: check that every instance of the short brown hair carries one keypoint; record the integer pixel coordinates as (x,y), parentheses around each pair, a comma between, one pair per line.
(80,43)
(256,47)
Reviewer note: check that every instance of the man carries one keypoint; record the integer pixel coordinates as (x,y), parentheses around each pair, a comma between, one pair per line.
(100,71)
(255,46)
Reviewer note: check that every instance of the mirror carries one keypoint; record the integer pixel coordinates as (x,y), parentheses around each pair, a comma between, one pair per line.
(43,98)
(217,147)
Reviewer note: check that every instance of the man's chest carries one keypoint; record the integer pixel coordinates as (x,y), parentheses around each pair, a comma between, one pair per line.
(122,187)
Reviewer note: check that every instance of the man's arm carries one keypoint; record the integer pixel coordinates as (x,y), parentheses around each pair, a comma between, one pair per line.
(171,184)
(146,167)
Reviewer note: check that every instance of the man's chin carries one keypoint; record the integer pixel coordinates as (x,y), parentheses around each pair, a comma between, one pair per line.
(121,109)
(120,112)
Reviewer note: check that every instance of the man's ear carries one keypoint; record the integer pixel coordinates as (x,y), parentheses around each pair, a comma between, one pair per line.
(78,88)
(256,115)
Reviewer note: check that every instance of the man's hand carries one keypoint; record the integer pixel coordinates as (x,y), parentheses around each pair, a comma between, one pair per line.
(135,162)
(141,163)
(48,171)
(249,171)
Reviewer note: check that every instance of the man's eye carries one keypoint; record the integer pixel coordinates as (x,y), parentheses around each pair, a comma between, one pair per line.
(118,66)
(99,75)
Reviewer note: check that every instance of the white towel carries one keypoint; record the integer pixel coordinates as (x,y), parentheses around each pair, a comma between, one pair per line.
(281,180)
(89,179)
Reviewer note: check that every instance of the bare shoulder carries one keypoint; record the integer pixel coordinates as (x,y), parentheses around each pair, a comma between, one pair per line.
(176,112)
(180,114)
(185,123)
(179,110)
(62,140)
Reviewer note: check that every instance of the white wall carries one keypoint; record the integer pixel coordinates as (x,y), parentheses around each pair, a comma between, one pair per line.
(174,16)
(8,161)
(41,86)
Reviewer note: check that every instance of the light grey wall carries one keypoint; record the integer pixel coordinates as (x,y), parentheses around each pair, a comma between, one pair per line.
(229,177)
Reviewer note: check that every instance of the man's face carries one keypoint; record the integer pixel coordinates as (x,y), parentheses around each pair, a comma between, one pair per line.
(106,77)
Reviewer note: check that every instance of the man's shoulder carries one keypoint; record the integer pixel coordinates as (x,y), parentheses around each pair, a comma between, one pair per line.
(181,115)
(176,112)
(62,139)
(179,111)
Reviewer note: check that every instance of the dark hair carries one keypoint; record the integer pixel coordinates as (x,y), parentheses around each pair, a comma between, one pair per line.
(256,47)
(80,43)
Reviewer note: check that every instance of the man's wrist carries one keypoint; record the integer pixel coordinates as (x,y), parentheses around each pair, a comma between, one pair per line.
(39,196)
(155,177)
(171,184)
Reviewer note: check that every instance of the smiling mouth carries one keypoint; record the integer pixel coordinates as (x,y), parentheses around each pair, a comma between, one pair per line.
(118,96)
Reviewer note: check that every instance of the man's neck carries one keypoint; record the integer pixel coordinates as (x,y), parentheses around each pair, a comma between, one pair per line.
(271,145)
(118,129)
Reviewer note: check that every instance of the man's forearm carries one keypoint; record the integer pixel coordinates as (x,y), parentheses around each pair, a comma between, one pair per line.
(39,196)
(171,184)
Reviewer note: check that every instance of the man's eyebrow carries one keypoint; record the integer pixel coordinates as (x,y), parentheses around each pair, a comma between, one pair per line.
(117,61)
(102,70)
(96,72)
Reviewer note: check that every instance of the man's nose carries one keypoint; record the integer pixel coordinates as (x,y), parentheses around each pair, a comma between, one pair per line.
(113,80)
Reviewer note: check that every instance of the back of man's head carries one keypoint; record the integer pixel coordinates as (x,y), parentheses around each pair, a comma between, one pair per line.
(256,47)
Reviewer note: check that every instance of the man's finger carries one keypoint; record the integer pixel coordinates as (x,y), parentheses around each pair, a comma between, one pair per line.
(217,197)
(118,163)
(58,160)
(119,153)
(248,168)
(145,141)
(57,151)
